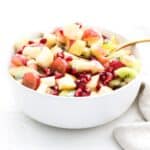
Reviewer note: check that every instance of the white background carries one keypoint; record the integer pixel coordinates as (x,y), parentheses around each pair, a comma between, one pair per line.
(18,132)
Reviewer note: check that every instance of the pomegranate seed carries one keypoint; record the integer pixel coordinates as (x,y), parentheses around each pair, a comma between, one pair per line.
(73,71)
(30,42)
(78,92)
(58,75)
(48,71)
(43,41)
(106,77)
(60,54)
(116,64)
(98,86)
(69,58)
(54,92)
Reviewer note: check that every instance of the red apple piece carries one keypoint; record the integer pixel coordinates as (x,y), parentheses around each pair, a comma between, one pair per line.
(60,65)
(31,80)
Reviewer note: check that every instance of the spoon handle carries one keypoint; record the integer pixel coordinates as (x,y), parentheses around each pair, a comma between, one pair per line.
(124,45)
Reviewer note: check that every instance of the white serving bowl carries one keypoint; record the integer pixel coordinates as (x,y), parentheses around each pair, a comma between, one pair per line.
(75,112)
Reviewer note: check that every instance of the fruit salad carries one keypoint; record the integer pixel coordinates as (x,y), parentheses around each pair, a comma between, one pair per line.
(73,60)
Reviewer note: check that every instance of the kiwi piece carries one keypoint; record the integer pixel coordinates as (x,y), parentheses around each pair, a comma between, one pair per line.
(126,73)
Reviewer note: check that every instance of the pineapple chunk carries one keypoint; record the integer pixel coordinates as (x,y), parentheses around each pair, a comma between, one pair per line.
(66,83)
(77,47)
(31,52)
(104,90)
(93,82)
(18,72)
(51,39)
(84,65)
(73,32)
(49,81)
(45,58)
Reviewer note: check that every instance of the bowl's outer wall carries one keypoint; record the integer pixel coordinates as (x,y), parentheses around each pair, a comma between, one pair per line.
(75,113)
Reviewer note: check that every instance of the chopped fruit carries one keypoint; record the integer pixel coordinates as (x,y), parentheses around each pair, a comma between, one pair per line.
(50,39)
(87,53)
(20,44)
(106,77)
(99,54)
(104,90)
(69,43)
(59,35)
(45,58)
(77,47)
(55,50)
(42,88)
(31,80)
(18,72)
(131,61)
(49,81)
(126,72)
(74,60)
(66,83)
(18,60)
(58,75)
(110,45)
(67,93)
(115,83)
(93,82)
(60,54)
(32,51)
(32,64)
(84,65)
(73,32)
(90,35)
(60,65)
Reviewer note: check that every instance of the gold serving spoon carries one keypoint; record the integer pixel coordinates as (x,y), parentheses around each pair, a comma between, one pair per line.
(131,43)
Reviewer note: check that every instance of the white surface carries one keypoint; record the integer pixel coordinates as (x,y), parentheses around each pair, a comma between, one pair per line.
(18,132)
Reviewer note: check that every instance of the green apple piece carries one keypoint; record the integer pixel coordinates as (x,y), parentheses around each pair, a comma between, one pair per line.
(126,72)
(18,72)
(85,65)
(115,83)
(93,82)
(67,93)
(66,83)
(45,58)
(49,81)
(77,47)
(104,90)
(32,52)
(131,61)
